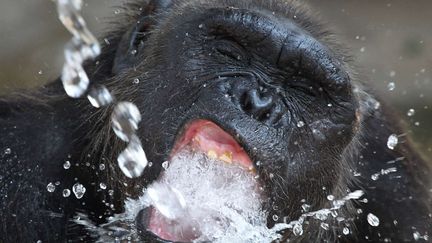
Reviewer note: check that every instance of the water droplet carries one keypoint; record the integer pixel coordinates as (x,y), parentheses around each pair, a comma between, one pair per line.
(75,80)
(40,72)
(411,112)
(373,220)
(102,167)
(111,192)
(300,124)
(338,203)
(298,229)
(325,226)
(201,26)
(392,141)
(377,105)
(165,165)
(99,97)
(7,151)
(322,216)
(79,190)
(334,214)
(102,186)
(416,236)
(364,200)
(67,165)
(305,208)
(375,177)
(275,217)
(345,231)
(363,49)
(392,74)
(51,187)
(66,193)
(136,81)
(125,119)
(330,197)
(391,86)
(132,160)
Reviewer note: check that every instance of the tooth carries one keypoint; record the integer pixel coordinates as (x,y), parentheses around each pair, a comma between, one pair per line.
(195,139)
(226,157)
(252,170)
(212,154)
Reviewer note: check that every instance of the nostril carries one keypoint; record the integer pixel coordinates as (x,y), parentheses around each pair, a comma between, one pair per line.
(257,105)
(260,102)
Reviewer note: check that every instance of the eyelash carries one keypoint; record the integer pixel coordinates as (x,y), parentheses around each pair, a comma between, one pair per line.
(230,48)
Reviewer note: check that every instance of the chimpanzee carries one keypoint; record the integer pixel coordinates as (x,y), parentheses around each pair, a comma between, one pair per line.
(263,75)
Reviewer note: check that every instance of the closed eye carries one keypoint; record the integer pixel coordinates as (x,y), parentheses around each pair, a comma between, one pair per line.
(229,48)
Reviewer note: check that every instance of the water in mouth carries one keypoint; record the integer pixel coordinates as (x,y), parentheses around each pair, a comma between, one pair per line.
(196,199)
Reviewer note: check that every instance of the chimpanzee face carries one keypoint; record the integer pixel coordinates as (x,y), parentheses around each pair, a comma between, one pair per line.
(249,83)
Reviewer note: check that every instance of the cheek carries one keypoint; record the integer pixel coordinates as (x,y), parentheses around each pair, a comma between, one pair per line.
(326,133)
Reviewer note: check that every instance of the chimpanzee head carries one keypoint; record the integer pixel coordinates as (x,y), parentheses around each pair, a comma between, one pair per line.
(254,83)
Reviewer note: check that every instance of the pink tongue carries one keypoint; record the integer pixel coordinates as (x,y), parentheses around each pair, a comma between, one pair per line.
(170,230)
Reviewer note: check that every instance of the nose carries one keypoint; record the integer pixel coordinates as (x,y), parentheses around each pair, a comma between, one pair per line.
(256,101)
(256,104)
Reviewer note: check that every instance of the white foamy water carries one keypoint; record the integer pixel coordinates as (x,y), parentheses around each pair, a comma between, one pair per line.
(206,200)
(216,201)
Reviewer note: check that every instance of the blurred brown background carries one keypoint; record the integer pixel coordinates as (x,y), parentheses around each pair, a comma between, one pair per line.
(390,40)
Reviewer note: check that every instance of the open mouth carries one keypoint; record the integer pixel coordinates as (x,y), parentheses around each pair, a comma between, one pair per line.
(209,138)
(233,182)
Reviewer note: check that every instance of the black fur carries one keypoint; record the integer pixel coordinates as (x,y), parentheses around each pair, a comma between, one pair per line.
(45,128)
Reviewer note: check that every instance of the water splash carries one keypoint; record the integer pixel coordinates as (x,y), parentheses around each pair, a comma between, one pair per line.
(217,202)
(322,214)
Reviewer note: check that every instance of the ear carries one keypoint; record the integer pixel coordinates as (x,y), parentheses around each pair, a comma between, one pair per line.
(133,42)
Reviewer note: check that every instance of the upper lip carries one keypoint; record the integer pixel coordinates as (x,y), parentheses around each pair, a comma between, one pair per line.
(225,141)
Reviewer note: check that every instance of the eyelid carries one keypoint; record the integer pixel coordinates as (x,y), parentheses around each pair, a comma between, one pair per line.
(229,47)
